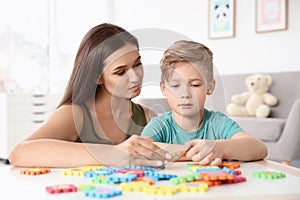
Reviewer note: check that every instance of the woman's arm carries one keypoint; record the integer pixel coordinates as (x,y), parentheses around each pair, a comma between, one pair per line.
(64,154)
(52,145)
(52,141)
(65,123)
(51,153)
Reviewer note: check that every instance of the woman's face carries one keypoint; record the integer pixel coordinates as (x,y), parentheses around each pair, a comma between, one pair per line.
(123,72)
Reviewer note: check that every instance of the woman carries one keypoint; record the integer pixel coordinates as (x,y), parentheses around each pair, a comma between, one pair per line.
(95,119)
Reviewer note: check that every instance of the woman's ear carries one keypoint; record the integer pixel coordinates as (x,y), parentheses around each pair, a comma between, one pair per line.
(211,87)
(99,80)
(162,88)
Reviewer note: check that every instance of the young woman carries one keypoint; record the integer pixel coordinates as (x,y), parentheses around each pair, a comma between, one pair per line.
(96,122)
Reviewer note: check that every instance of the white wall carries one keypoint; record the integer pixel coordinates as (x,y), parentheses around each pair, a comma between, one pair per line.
(246,52)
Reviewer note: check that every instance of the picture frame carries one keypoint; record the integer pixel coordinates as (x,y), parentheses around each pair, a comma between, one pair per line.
(271,15)
(221,19)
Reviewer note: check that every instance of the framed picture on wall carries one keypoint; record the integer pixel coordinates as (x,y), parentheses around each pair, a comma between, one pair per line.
(221,19)
(271,15)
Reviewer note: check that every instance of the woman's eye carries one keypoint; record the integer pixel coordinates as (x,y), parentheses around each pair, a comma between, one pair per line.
(120,73)
(175,85)
(195,85)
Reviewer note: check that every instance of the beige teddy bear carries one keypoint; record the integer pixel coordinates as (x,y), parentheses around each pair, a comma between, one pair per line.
(257,101)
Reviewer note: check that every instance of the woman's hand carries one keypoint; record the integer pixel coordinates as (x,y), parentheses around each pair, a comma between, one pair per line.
(206,152)
(142,151)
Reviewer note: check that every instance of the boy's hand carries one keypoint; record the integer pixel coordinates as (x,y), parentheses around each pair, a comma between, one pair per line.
(206,152)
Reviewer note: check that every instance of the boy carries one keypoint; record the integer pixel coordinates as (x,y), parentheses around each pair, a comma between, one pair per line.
(186,79)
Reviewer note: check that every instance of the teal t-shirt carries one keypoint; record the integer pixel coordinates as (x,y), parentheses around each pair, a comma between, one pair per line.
(215,125)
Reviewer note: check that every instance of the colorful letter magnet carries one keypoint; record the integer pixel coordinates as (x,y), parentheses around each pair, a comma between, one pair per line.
(61,188)
(118,178)
(193,187)
(35,171)
(161,190)
(269,175)
(103,192)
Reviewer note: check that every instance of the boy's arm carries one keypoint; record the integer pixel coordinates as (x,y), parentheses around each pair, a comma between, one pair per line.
(243,147)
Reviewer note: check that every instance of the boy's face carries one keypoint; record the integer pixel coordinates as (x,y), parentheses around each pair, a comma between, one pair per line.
(186,90)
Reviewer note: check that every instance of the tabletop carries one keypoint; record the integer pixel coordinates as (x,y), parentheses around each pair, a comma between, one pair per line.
(17,186)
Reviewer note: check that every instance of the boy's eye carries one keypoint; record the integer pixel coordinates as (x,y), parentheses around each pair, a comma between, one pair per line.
(138,64)
(195,83)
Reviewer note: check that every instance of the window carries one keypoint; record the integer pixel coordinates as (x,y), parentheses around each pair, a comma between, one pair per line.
(24,45)
(39,40)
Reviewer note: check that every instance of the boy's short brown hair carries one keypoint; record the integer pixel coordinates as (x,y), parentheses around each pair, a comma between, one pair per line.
(184,51)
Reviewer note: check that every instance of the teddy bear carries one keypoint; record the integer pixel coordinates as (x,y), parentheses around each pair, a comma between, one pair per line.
(257,101)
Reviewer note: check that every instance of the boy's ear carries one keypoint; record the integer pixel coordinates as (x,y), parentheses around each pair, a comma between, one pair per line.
(211,87)
(162,88)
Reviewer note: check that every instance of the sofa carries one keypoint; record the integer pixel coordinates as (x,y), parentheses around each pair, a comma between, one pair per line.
(281,130)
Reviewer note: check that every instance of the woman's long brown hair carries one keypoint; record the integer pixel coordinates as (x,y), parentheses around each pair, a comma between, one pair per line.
(99,42)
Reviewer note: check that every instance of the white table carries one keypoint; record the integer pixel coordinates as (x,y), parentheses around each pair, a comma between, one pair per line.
(17,186)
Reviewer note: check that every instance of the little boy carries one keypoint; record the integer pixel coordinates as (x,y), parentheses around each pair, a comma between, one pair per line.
(186,79)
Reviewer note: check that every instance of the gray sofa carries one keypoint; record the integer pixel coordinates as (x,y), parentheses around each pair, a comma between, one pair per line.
(281,130)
